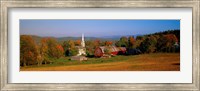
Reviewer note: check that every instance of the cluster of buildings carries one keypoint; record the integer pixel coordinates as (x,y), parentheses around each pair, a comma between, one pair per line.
(99,52)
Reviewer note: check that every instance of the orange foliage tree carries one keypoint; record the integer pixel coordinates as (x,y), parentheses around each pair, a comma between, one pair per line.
(166,43)
(96,43)
(131,42)
(108,43)
(60,51)
(43,51)
(77,43)
(54,49)
(28,50)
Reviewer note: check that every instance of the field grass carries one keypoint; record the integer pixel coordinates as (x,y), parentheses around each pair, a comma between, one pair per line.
(143,62)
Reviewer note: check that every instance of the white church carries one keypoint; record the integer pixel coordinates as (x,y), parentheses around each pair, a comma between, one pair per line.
(82,49)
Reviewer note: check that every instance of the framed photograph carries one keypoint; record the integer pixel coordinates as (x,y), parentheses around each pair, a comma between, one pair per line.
(100,45)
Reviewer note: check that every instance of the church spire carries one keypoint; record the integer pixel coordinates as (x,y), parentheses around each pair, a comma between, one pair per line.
(83,41)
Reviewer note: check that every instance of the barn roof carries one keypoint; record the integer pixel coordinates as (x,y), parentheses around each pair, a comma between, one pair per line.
(102,48)
(122,48)
(112,48)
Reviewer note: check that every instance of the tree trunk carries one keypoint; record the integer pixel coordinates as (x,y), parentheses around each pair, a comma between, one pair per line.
(24,64)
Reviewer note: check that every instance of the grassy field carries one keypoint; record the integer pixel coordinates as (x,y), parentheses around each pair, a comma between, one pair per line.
(143,62)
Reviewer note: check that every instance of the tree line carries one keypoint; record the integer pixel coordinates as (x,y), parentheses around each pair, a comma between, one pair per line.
(167,41)
(32,53)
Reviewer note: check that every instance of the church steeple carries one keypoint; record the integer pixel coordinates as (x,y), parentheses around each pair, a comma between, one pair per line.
(83,41)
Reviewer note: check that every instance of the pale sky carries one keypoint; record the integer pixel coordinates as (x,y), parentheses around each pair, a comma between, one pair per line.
(94,28)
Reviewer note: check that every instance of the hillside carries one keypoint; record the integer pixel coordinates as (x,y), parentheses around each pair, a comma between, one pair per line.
(61,39)
(106,38)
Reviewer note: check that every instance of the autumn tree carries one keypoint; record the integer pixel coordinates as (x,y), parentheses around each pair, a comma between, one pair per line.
(108,43)
(131,42)
(68,44)
(28,50)
(153,41)
(43,51)
(69,48)
(118,44)
(167,43)
(77,43)
(139,40)
(60,51)
(49,48)
(40,59)
(90,48)
(175,32)
(96,43)
(52,47)
(123,42)
(148,45)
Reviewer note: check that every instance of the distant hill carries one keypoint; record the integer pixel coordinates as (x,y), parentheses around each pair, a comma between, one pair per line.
(61,39)
(111,38)
(75,38)
(89,38)
(117,37)
(36,38)
(106,38)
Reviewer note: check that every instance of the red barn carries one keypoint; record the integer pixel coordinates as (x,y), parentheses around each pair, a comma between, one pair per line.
(122,50)
(100,51)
